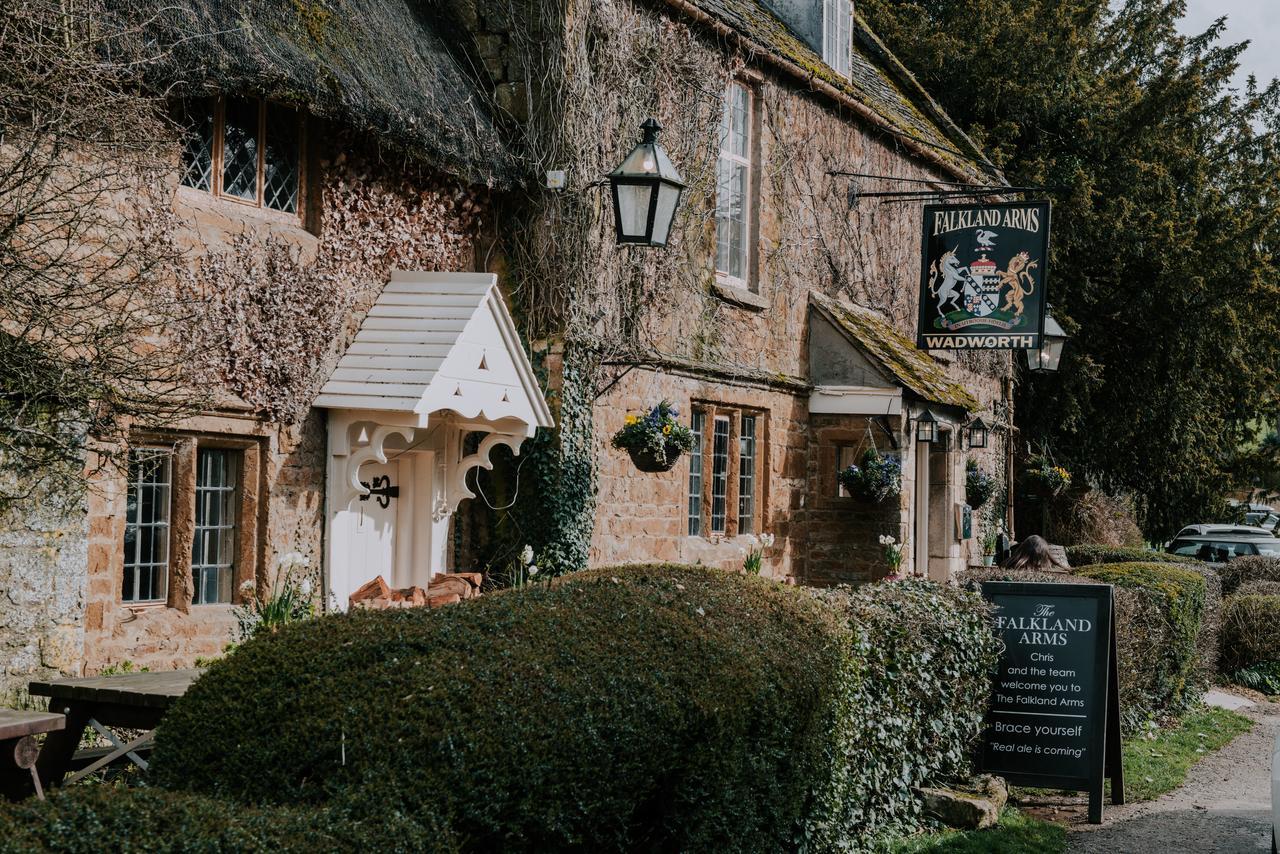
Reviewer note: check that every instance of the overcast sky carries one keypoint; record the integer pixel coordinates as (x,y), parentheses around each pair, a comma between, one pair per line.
(1255,21)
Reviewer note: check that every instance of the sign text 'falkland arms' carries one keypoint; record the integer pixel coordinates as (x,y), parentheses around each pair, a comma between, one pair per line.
(983,276)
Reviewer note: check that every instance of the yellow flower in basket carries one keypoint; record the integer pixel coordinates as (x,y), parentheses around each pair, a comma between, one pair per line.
(667,430)
(632,419)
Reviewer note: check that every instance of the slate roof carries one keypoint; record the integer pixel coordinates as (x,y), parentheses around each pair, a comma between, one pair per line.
(877,79)
(899,358)
(380,66)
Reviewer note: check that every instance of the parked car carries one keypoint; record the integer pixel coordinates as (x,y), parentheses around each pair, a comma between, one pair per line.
(1221,543)
(1219,529)
(1262,518)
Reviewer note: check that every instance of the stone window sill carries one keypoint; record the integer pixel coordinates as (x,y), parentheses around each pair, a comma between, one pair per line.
(740,297)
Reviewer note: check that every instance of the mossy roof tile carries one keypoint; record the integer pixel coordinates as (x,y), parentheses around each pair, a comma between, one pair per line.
(877,79)
(908,365)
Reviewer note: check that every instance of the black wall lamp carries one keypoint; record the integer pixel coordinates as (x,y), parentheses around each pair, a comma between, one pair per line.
(926,427)
(647,189)
(978,432)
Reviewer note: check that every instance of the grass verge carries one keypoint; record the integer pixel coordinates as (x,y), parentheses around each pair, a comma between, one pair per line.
(1158,765)
(1015,834)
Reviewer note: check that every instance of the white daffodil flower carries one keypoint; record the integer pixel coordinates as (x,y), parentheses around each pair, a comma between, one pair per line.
(526,555)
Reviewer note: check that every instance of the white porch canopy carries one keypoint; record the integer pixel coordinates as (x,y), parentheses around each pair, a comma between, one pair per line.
(437,358)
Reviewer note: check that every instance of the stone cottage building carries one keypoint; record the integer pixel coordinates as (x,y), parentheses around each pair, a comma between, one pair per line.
(397,304)
(780,317)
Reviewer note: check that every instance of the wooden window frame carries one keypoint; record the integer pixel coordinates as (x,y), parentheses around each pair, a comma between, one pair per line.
(749,281)
(183,455)
(258,204)
(711,411)
(837,46)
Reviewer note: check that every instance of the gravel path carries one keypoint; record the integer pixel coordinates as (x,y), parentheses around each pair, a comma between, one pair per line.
(1225,805)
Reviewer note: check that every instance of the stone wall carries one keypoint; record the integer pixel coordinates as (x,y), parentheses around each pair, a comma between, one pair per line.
(43,586)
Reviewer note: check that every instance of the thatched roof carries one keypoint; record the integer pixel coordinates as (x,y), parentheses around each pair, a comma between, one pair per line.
(380,66)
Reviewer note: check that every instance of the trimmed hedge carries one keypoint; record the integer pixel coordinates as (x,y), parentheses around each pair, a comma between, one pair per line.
(1161,635)
(929,654)
(1089,555)
(1259,588)
(1250,631)
(1242,570)
(92,819)
(639,708)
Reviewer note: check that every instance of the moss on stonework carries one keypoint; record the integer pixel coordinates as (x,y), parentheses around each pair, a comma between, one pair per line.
(912,367)
(869,82)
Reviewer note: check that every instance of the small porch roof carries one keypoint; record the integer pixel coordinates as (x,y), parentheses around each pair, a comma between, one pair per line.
(891,355)
(438,342)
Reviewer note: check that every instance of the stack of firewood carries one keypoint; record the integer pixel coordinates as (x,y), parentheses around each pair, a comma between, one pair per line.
(444,589)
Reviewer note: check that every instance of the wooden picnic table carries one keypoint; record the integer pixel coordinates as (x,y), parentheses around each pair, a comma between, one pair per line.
(18,750)
(128,701)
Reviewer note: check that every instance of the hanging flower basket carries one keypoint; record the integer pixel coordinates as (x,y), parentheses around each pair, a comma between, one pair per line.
(647,460)
(876,479)
(978,485)
(654,441)
(1043,480)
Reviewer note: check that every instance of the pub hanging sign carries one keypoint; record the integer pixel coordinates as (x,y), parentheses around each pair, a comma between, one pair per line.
(983,274)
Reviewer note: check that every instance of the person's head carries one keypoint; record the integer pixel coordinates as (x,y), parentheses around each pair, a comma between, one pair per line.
(1033,554)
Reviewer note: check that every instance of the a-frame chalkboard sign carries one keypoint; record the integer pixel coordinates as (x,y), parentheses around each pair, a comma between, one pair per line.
(1054,719)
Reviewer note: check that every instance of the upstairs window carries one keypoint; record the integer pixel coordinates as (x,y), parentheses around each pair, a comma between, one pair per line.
(243,149)
(837,35)
(733,188)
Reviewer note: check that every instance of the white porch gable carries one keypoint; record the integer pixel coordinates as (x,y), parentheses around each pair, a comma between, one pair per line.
(437,358)
(439,341)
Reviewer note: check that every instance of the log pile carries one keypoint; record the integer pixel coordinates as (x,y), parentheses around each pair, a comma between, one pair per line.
(444,589)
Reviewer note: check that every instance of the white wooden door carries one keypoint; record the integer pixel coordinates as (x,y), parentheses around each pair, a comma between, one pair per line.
(371,545)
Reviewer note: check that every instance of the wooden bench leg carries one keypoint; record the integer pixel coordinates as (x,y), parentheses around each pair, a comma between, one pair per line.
(17,757)
(60,745)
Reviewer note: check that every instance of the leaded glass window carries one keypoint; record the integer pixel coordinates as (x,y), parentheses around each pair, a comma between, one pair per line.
(213,546)
(747,475)
(197,144)
(146,527)
(733,185)
(256,147)
(719,473)
(280,159)
(240,149)
(698,426)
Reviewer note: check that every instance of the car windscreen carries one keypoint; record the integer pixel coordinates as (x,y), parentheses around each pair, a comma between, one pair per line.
(1214,551)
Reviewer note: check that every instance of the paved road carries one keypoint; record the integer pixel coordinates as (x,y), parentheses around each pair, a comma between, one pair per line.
(1225,805)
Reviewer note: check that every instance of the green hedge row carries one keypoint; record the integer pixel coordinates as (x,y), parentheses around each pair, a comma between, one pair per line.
(653,708)
(1089,555)
(1250,568)
(1250,631)
(927,653)
(643,708)
(92,819)
(1161,635)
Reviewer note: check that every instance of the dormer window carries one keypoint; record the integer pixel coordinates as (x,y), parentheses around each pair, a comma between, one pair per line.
(837,35)
(243,149)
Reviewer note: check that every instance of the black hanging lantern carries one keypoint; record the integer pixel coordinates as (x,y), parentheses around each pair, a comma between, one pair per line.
(978,431)
(646,191)
(1048,356)
(926,427)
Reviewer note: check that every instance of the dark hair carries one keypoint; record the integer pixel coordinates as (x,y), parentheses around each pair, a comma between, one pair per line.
(1033,554)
